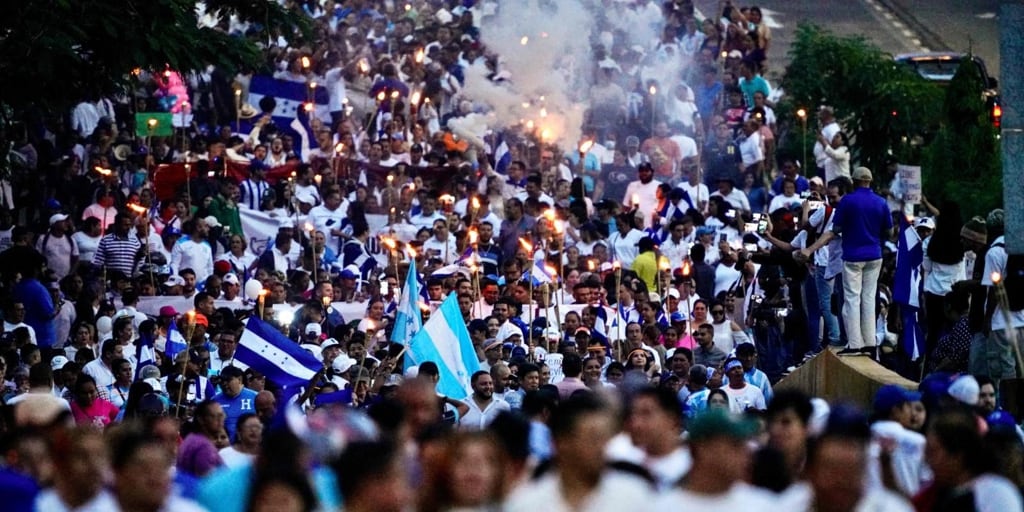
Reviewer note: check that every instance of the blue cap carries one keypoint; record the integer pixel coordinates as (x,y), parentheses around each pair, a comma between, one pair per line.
(518,352)
(704,230)
(677,317)
(1001,419)
(891,395)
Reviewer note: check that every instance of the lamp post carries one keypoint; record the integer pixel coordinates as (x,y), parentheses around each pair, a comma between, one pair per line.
(802,114)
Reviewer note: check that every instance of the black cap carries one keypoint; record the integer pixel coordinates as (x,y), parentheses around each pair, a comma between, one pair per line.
(231,372)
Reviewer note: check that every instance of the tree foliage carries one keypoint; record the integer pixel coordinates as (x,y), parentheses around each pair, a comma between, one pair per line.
(881,105)
(963,162)
(52,52)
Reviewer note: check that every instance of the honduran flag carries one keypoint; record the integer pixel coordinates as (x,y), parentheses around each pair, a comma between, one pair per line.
(906,288)
(502,155)
(265,349)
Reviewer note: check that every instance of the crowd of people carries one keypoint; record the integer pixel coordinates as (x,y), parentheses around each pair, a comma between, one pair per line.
(632,297)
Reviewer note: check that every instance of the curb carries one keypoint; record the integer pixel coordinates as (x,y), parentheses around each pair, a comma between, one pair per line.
(929,38)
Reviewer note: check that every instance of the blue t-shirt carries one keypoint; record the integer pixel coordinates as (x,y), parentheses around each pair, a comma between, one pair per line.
(862,217)
(38,310)
(235,407)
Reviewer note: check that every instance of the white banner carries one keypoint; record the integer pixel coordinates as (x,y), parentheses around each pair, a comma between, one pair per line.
(910,181)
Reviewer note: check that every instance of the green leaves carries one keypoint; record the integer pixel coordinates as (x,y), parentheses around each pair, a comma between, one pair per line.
(53,53)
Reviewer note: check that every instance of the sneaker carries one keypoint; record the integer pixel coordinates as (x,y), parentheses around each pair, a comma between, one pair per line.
(791,369)
(868,351)
(851,352)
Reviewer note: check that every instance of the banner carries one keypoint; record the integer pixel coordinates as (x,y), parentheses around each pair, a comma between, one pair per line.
(910,181)
(260,228)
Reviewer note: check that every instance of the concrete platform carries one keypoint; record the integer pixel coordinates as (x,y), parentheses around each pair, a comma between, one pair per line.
(851,379)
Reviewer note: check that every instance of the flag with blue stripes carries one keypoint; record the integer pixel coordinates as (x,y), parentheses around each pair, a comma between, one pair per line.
(539,274)
(175,343)
(502,155)
(144,352)
(906,287)
(264,349)
(288,114)
(444,339)
(407,317)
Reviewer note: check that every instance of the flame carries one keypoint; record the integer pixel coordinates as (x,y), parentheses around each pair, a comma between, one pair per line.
(317,179)
(420,54)
(391,178)
(543,112)
(423,306)
(552,271)
(616,265)
(996,277)
(636,199)
(308,107)
(653,90)
(381,96)
(412,252)
(339,147)
(686,268)
(446,198)
(389,242)
(394,95)
(264,292)
(545,134)
(238,92)
(415,98)
(529,125)
(801,113)
(586,145)
(326,300)
(364,66)
(312,85)
(408,7)
(524,40)
(305,62)
(104,172)
(526,245)
(559,228)
(476,203)
(663,264)
(591,265)
(308,226)
(473,236)
(549,214)
(152,122)
(137,208)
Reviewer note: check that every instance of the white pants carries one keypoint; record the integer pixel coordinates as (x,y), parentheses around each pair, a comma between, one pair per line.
(860,289)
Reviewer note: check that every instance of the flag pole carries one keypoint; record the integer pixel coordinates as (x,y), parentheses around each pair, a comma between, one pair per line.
(191,315)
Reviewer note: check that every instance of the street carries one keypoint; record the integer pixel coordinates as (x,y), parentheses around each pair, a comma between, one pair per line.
(896,26)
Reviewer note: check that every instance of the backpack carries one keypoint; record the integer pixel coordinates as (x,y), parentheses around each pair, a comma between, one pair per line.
(814,234)
(1013,279)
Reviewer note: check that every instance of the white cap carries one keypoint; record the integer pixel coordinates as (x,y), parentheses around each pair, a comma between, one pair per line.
(672,292)
(285,222)
(965,389)
(342,363)
(312,327)
(231,278)
(212,221)
(58,362)
(174,280)
(507,330)
(924,222)
(304,196)
(57,217)
(329,342)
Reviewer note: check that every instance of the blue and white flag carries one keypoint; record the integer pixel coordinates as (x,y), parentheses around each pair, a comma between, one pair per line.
(408,320)
(444,339)
(175,343)
(539,274)
(264,349)
(502,155)
(906,287)
(288,114)
(144,353)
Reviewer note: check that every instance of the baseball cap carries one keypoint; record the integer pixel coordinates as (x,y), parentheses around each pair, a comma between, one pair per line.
(168,311)
(231,278)
(582,330)
(58,362)
(965,389)
(202,320)
(221,267)
(313,328)
(862,174)
(924,222)
(212,221)
(672,292)
(890,396)
(57,217)
(715,424)
(174,280)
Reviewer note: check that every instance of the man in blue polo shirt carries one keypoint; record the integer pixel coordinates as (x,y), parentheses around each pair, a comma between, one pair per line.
(863,220)
(235,399)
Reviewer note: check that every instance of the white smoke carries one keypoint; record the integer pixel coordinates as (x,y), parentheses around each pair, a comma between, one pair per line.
(544,46)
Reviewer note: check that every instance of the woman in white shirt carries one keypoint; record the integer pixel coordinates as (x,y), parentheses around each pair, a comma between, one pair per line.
(788,199)
(248,434)
(238,255)
(943,265)
(838,152)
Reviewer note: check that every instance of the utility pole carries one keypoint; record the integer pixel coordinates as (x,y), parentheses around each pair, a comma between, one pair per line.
(1011,54)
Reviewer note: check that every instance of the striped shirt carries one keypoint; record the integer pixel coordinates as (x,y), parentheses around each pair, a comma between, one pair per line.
(116,253)
(252,193)
(759,380)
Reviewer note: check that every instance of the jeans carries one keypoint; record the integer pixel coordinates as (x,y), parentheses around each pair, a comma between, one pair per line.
(825,288)
(860,290)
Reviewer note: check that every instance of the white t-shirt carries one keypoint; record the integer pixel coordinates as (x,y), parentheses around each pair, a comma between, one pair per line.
(737,198)
(58,252)
(614,493)
(750,149)
(747,397)
(235,459)
(698,194)
(477,419)
(739,497)
(624,248)
(908,465)
(799,497)
(995,261)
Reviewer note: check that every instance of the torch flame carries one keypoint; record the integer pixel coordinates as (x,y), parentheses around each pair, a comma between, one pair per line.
(394,95)
(524,40)
(305,62)
(389,242)
(653,90)
(381,96)
(616,265)
(152,122)
(473,236)
(526,245)
(104,172)
(476,203)
(420,54)
(996,277)
(415,98)
(686,268)
(591,265)
(137,208)
(339,147)
(308,226)
(586,145)
(663,264)
(312,85)
(636,199)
